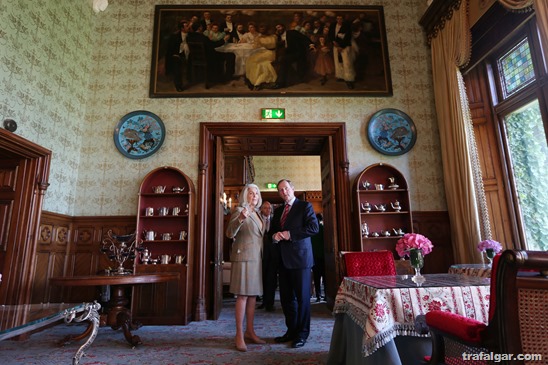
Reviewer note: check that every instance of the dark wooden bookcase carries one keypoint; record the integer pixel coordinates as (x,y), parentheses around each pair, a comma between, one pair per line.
(378,221)
(165,303)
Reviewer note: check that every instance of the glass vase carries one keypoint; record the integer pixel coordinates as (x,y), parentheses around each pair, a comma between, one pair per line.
(490,254)
(416,259)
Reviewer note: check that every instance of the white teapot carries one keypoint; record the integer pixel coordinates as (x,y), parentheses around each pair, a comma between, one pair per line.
(380,207)
(396,206)
(146,256)
(366,207)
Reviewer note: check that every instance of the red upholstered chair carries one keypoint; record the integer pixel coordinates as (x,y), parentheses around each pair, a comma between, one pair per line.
(373,263)
(518,316)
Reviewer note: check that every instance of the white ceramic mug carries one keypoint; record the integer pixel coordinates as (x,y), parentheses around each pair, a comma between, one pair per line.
(149,211)
(150,235)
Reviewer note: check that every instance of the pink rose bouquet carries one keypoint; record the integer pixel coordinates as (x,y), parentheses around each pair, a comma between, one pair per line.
(413,240)
(489,244)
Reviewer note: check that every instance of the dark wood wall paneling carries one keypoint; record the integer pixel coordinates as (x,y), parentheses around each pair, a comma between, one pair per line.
(51,255)
(70,246)
(435,225)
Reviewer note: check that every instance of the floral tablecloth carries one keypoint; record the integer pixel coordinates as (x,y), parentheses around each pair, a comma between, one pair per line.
(479,270)
(386,306)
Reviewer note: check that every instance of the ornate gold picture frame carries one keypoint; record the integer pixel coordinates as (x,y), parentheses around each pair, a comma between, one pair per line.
(291,51)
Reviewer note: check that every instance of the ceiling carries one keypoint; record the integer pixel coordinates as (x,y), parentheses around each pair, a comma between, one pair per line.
(273,145)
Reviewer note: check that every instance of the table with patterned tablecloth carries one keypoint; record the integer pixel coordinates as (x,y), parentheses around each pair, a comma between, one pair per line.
(385,307)
(480,270)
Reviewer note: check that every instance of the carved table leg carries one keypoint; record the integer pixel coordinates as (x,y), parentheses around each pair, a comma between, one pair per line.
(90,314)
(124,321)
(119,316)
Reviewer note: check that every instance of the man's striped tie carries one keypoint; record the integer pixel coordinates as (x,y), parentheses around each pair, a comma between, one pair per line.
(284,215)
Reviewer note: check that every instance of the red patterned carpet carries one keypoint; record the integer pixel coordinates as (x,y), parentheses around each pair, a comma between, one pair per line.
(200,343)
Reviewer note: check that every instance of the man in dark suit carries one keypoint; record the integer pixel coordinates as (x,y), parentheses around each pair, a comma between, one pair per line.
(228,26)
(221,65)
(177,54)
(292,226)
(340,33)
(271,261)
(292,48)
(206,20)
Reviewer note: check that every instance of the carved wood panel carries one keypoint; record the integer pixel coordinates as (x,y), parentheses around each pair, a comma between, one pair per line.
(51,252)
(235,171)
(70,246)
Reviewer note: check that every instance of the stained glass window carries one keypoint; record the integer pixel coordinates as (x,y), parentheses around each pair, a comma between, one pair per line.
(516,68)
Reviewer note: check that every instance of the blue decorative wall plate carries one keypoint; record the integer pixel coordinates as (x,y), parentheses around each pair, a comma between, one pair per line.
(139,134)
(391,132)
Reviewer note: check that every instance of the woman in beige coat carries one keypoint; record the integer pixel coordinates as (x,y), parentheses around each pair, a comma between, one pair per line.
(247,228)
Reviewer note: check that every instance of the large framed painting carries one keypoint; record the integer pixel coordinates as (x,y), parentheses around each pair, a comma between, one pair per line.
(203,51)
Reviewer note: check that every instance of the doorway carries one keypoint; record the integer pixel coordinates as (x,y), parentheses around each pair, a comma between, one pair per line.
(24,168)
(328,140)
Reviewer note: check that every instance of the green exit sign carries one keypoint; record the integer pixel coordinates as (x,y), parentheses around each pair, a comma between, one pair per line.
(269,113)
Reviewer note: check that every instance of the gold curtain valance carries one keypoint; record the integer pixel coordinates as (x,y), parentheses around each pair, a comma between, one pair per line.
(437,14)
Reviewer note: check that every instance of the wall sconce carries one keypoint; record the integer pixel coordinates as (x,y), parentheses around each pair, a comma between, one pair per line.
(226,204)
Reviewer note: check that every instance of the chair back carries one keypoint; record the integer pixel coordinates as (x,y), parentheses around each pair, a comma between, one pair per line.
(521,313)
(373,263)
(492,288)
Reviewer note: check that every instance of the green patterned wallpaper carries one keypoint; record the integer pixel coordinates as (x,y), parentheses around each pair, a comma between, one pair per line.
(68,75)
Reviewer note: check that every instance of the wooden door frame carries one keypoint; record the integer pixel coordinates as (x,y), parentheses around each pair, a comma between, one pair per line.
(204,256)
(28,182)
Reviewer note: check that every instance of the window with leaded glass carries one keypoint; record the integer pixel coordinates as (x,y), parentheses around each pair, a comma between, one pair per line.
(516,68)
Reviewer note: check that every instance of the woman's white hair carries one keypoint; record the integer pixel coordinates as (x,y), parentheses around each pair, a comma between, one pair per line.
(243,196)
